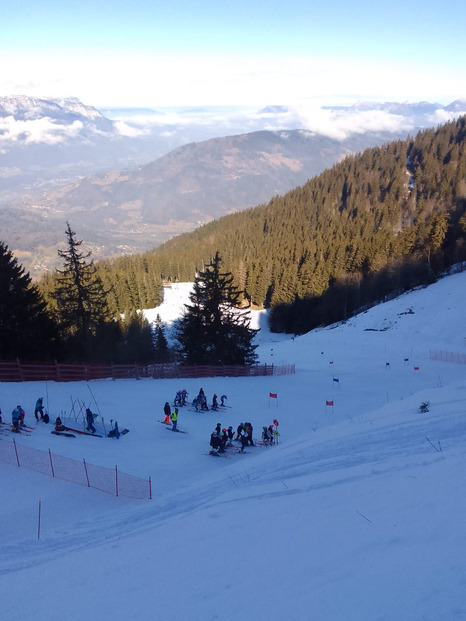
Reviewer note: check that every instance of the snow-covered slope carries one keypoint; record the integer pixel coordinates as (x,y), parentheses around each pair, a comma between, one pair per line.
(357,514)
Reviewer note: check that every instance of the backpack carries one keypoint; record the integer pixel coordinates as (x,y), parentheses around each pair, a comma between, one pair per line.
(46,418)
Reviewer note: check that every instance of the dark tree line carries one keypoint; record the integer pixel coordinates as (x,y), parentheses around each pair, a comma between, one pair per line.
(378,222)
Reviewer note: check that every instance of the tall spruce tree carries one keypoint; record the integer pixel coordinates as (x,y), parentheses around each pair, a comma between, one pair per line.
(212,330)
(162,353)
(81,304)
(26,329)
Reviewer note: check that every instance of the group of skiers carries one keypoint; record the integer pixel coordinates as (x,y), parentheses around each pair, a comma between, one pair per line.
(222,437)
(18,414)
(200,401)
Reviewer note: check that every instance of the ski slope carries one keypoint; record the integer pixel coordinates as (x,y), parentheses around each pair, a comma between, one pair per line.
(357,514)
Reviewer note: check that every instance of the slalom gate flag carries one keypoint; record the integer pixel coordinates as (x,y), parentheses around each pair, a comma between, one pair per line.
(273,395)
(329,402)
(416,368)
(335,379)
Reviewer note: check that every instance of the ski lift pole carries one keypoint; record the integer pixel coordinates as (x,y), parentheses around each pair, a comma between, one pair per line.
(92,395)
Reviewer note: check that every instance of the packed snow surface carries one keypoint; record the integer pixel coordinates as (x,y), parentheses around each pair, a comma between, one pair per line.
(357,514)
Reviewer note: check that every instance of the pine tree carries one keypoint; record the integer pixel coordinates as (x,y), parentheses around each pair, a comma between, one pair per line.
(162,353)
(26,329)
(212,330)
(81,304)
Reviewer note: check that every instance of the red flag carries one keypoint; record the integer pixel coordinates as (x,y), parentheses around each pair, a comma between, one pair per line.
(273,395)
(329,402)
(416,368)
(275,422)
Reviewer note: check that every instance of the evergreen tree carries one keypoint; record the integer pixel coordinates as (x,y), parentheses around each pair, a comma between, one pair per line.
(80,299)
(212,330)
(137,343)
(162,353)
(26,329)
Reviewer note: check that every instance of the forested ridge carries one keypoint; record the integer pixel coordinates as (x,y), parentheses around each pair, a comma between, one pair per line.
(379,222)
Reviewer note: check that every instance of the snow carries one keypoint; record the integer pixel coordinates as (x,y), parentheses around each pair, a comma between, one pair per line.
(357,514)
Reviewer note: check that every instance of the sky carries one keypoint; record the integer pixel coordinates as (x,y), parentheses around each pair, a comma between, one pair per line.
(145,53)
(357,512)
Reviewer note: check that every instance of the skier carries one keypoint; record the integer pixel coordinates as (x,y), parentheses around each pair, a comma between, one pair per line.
(59,426)
(222,400)
(90,421)
(249,430)
(16,418)
(230,435)
(203,402)
(177,400)
(243,439)
(39,409)
(239,430)
(184,394)
(167,412)
(267,435)
(215,443)
(214,402)
(223,438)
(174,419)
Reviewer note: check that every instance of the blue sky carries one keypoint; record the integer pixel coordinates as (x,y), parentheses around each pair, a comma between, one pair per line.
(147,53)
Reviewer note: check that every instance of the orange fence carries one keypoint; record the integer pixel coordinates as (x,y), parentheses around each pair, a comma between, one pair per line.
(108,480)
(18,371)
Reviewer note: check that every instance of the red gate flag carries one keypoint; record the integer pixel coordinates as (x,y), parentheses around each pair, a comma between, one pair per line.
(329,402)
(273,395)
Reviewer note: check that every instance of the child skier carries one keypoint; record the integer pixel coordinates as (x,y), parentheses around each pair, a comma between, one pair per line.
(39,409)
(167,412)
(90,421)
(174,419)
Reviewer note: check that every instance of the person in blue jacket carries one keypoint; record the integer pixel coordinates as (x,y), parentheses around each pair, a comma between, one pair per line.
(39,409)
(16,418)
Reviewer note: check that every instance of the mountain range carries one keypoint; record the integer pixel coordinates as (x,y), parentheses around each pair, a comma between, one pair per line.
(125,190)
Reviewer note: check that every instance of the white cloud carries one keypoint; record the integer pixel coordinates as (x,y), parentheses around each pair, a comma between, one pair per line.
(341,124)
(129,131)
(42,130)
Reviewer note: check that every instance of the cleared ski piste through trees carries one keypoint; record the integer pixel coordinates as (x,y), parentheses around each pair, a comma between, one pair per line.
(358,512)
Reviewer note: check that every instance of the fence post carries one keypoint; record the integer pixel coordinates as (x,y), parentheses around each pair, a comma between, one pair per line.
(51,463)
(85,470)
(16,451)
(116,480)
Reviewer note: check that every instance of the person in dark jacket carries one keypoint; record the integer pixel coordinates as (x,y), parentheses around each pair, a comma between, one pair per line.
(167,412)
(215,443)
(90,421)
(59,426)
(230,435)
(243,439)
(249,429)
